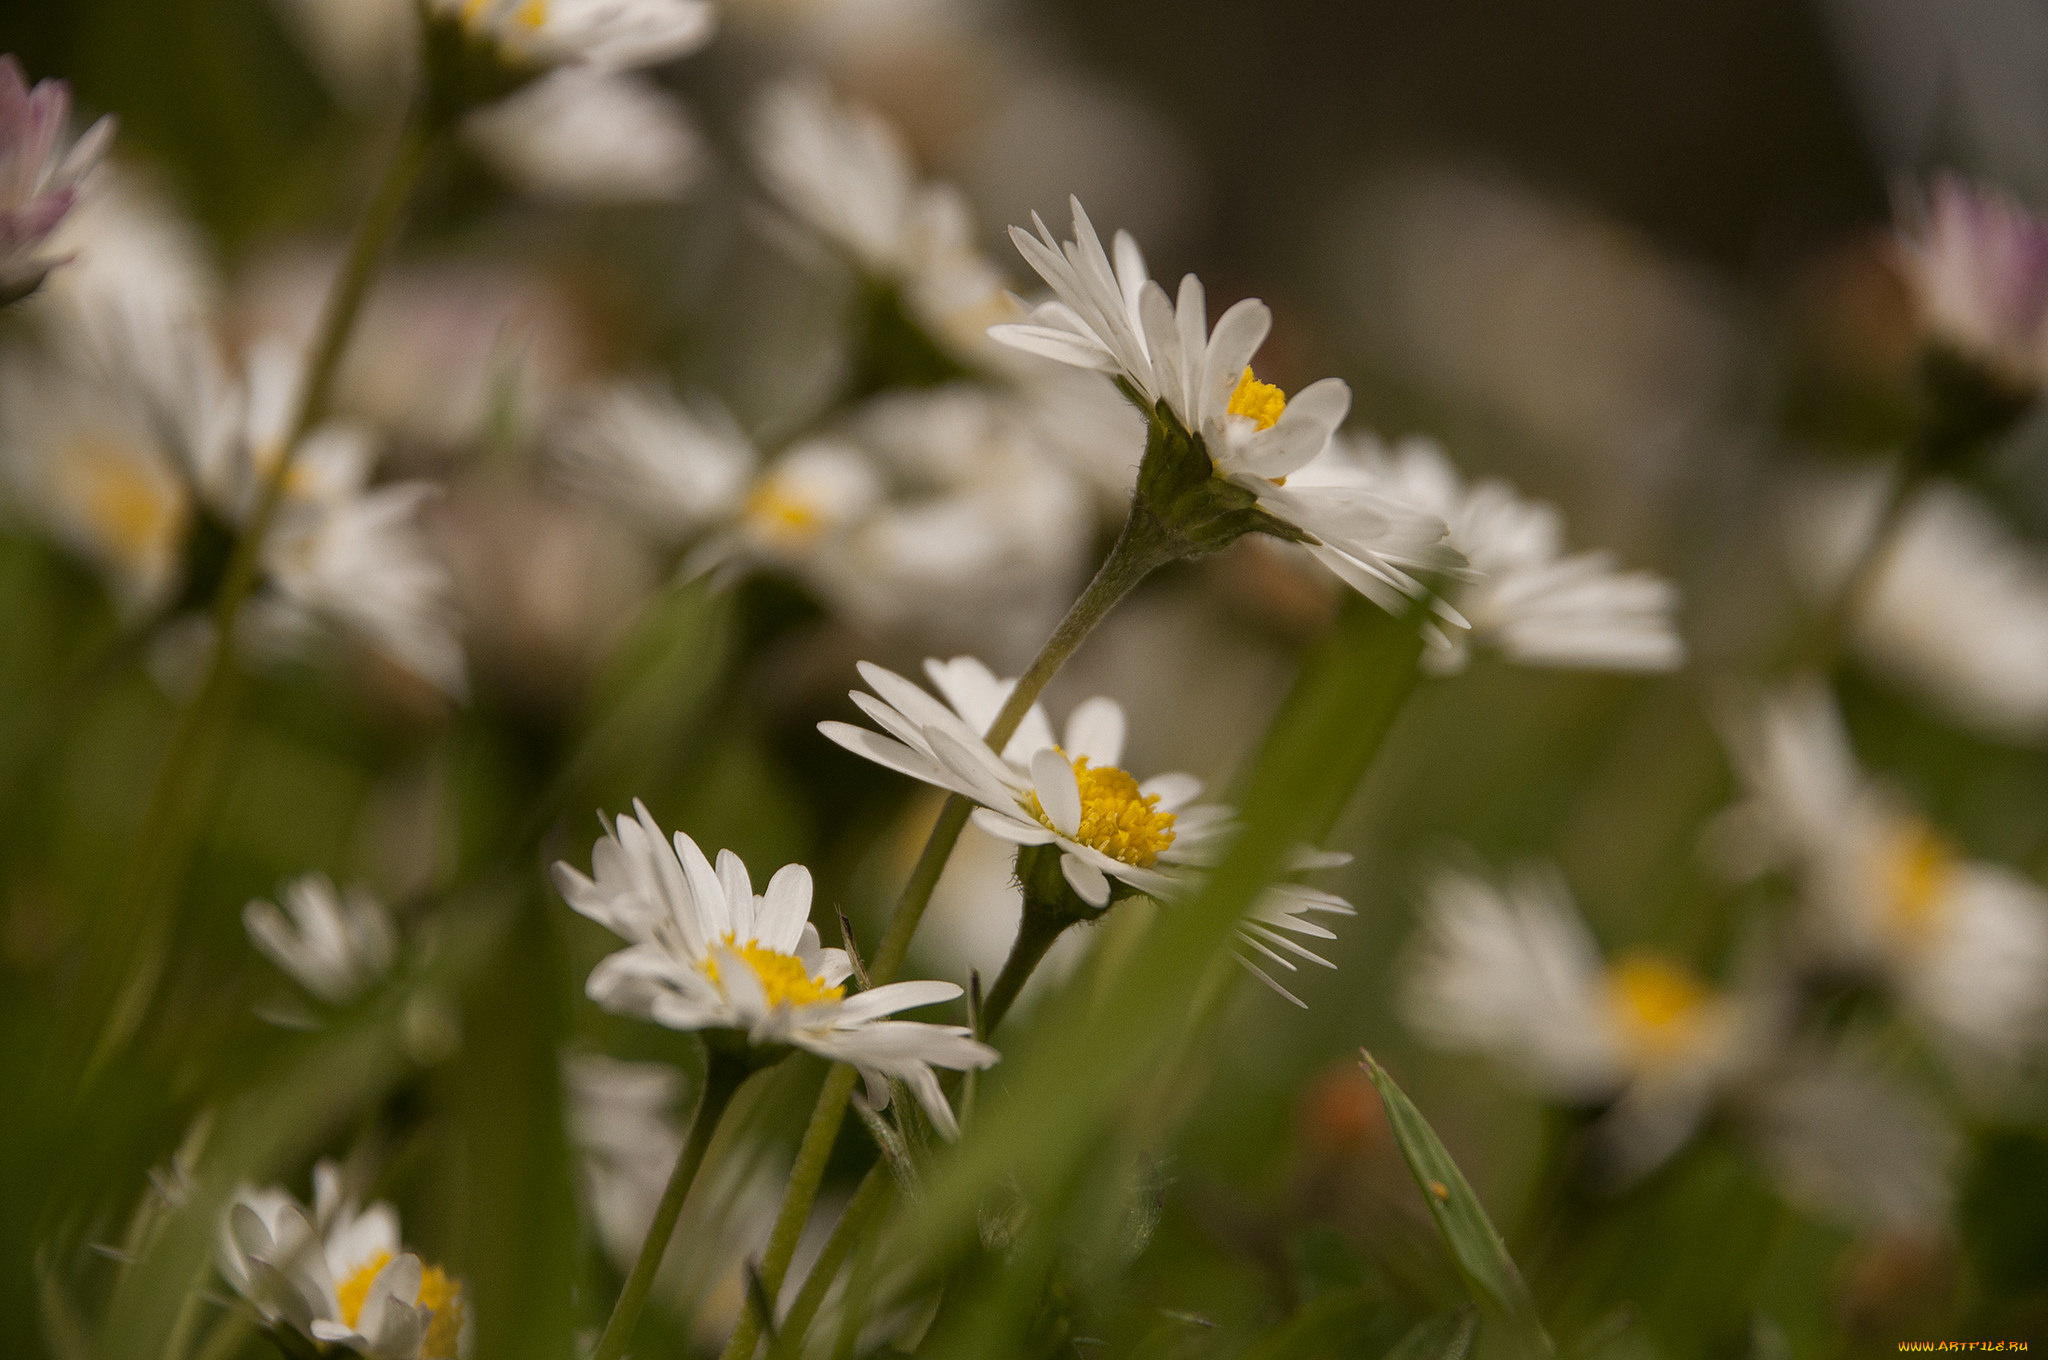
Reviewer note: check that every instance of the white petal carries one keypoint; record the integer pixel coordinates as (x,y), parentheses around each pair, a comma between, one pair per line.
(1059,792)
(1085,879)
(1095,729)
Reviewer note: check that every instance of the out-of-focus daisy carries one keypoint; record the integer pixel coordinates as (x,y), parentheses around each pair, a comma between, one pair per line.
(41,178)
(591,136)
(147,456)
(1511,971)
(622,1121)
(532,36)
(1119,322)
(339,1275)
(1885,895)
(1525,596)
(935,513)
(335,944)
(845,174)
(1976,263)
(1109,828)
(708,953)
(1956,607)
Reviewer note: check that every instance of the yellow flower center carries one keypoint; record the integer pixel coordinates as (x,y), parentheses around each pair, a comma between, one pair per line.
(1660,1007)
(782,517)
(530,14)
(134,516)
(783,976)
(1116,818)
(1261,403)
(437,1292)
(1919,869)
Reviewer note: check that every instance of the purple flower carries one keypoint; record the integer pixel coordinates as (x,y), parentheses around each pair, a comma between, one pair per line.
(40,178)
(1977,264)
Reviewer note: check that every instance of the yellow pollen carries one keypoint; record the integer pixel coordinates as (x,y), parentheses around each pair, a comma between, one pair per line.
(444,1296)
(352,1291)
(532,13)
(1919,868)
(1116,818)
(1259,402)
(783,976)
(437,1292)
(133,516)
(1659,1006)
(781,516)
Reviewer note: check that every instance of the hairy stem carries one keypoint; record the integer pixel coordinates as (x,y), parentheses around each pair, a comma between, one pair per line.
(721,1078)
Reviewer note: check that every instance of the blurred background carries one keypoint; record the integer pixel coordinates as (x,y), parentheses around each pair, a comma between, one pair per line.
(1627,256)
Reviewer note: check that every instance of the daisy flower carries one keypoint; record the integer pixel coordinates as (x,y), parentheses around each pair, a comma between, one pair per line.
(585,135)
(146,455)
(334,944)
(1976,263)
(1511,971)
(1116,320)
(1956,608)
(1884,895)
(1109,828)
(1524,595)
(708,953)
(843,172)
(612,34)
(340,1276)
(41,178)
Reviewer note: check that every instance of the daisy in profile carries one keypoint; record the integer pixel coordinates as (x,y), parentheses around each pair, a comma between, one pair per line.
(533,36)
(707,953)
(334,944)
(1237,441)
(340,1276)
(843,172)
(1524,596)
(1884,895)
(1511,971)
(1113,832)
(1956,607)
(41,177)
(1976,264)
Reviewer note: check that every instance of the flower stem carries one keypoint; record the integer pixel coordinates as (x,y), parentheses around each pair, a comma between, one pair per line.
(868,1204)
(1867,568)
(138,929)
(1142,547)
(722,1077)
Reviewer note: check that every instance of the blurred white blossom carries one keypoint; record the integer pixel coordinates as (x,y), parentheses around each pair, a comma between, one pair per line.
(335,944)
(1885,894)
(591,136)
(1976,263)
(41,178)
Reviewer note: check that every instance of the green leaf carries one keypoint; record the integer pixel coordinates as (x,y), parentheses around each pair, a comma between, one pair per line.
(1481,1256)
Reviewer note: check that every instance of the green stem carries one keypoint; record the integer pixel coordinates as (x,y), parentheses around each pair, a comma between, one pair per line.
(1142,547)
(868,1204)
(1867,569)
(137,938)
(721,1078)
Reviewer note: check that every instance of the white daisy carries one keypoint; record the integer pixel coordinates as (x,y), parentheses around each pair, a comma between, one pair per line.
(1109,828)
(1956,608)
(1071,794)
(338,1275)
(1976,263)
(1512,972)
(587,135)
(1524,595)
(1119,322)
(677,469)
(846,175)
(1962,943)
(41,178)
(708,953)
(334,944)
(622,1123)
(612,34)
